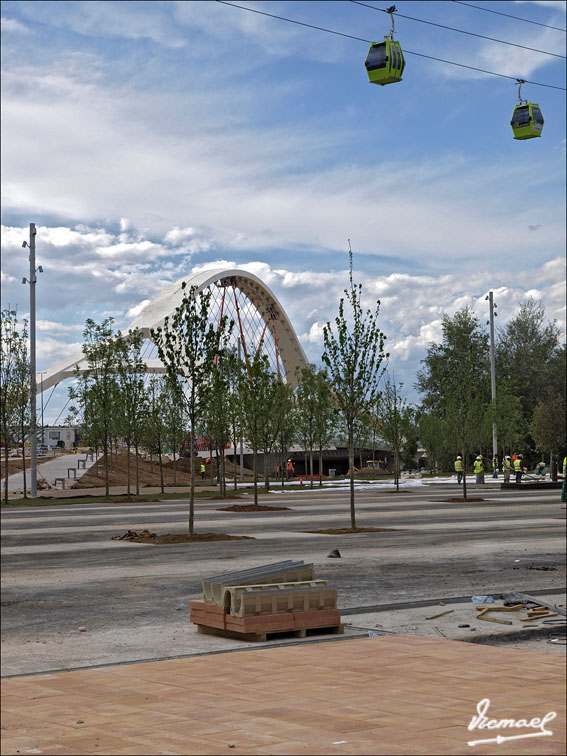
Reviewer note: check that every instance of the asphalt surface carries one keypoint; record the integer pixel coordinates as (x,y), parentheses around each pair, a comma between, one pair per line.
(62,571)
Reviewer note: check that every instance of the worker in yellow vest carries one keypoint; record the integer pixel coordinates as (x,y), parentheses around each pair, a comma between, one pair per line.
(203,471)
(564,487)
(459,469)
(507,468)
(479,469)
(519,468)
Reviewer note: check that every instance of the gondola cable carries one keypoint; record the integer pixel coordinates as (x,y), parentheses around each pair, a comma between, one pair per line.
(368,41)
(460,31)
(508,15)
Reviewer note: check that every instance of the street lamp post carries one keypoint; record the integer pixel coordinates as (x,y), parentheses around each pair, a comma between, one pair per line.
(493,314)
(33,380)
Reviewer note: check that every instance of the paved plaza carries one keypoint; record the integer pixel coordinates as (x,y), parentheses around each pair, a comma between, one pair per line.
(401,692)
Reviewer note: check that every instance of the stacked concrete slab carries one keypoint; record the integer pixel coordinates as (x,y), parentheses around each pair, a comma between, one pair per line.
(273,598)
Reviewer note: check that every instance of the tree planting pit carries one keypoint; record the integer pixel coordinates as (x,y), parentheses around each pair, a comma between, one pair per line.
(252,508)
(144,536)
(349,531)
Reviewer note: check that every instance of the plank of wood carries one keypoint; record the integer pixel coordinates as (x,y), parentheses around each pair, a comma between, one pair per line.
(539,616)
(494,619)
(441,614)
(515,608)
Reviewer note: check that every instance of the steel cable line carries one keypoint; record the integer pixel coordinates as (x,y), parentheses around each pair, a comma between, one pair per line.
(499,13)
(461,31)
(368,41)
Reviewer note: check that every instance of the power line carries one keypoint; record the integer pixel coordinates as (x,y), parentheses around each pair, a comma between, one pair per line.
(368,41)
(460,31)
(499,13)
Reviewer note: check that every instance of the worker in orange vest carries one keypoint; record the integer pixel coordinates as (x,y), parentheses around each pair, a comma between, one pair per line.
(289,468)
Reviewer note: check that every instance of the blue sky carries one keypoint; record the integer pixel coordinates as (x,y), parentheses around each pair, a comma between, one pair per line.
(146,139)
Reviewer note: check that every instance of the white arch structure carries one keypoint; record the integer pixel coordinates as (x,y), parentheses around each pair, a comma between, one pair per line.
(248,297)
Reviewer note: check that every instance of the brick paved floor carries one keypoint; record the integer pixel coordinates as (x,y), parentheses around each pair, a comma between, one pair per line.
(383,695)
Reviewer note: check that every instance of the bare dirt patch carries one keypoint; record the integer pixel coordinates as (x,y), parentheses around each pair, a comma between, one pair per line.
(144,536)
(252,508)
(178,474)
(456,500)
(347,531)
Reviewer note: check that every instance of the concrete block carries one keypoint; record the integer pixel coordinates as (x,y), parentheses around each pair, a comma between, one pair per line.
(250,600)
(279,572)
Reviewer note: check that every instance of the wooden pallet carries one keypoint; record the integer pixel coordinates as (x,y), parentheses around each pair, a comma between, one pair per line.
(263,637)
(212,619)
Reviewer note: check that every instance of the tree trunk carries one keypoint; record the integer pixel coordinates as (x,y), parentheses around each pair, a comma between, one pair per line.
(160,467)
(255,465)
(266,474)
(235,439)
(128,465)
(463,455)
(351,465)
(106,478)
(24,464)
(311,465)
(137,469)
(320,466)
(6,458)
(192,482)
(397,469)
(174,462)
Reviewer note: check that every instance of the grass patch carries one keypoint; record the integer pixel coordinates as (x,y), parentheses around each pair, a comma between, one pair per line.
(349,531)
(48,501)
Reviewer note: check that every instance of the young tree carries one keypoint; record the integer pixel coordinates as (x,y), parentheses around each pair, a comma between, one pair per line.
(306,402)
(395,421)
(131,369)
(187,344)
(172,409)
(97,388)
(353,354)
(14,388)
(255,389)
(325,417)
(455,381)
(154,429)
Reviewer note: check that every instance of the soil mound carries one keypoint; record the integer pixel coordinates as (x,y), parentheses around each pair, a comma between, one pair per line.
(252,508)
(174,474)
(144,536)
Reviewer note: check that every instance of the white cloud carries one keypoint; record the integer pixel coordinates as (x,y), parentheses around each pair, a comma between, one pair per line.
(12,26)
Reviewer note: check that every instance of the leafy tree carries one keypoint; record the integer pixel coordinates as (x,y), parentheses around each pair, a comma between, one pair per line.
(131,397)
(172,411)
(187,344)
(528,355)
(433,434)
(97,388)
(256,388)
(455,381)
(15,379)
(307,399)
(395,421)
(325,416)
(509,419)
(549,422)
(218,411)
(154,428)
(353,354)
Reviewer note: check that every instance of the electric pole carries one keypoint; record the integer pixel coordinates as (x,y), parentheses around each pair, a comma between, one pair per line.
(33,384)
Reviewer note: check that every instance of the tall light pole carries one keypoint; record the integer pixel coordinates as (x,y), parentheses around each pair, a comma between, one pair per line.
(493,314)
(33,385)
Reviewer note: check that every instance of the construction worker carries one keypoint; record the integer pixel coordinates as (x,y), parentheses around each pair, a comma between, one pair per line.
(495,466)
(289,468)
(519,468)
(507,468)
(564,486)
(203,471)
(479,469)
(541,468)
(459,469)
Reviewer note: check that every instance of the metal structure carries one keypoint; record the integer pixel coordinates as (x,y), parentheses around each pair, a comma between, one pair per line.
(260,323)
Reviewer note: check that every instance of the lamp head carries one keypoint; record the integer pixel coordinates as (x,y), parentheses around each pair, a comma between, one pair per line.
(24,244)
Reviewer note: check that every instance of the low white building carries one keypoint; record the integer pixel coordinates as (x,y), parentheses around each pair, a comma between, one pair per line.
(57,436)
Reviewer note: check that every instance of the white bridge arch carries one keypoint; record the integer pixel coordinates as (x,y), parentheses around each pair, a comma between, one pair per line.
(258,315)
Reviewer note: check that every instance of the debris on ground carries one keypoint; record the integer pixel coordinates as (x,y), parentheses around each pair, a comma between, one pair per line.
(440,614)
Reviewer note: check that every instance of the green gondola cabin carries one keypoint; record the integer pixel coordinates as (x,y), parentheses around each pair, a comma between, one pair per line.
(385,62)
(527,120)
